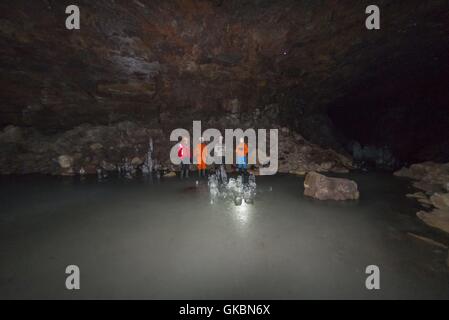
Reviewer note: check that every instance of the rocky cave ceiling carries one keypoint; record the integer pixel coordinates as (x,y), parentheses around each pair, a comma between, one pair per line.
(163,61)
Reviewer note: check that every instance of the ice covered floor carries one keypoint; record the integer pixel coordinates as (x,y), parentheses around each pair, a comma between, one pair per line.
(165,239)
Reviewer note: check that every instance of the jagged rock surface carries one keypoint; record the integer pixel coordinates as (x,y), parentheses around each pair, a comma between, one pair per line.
(298,156)
(433,179)
(88,148)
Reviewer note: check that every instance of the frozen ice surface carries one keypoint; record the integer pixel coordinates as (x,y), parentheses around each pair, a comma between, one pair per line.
(158,241)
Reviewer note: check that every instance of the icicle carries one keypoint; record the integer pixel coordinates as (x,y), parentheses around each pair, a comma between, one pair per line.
(99,175)
(213,187)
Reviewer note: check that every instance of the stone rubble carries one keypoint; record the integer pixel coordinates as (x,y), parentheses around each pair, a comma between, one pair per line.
(432,178)
(298,156)
(81,150)
(124,146)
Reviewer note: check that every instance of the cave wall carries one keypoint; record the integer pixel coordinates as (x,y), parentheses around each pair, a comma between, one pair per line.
(166,63)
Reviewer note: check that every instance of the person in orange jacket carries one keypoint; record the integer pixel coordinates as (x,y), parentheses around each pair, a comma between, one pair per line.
(241,153)
(201,153)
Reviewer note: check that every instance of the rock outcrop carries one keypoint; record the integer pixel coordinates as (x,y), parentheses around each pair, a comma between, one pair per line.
(87,148)
(429,176)
(436,218)
(298,156)
(321,187)
(432,178)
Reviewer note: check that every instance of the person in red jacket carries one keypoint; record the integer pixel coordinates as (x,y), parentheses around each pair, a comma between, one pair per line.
(184,155)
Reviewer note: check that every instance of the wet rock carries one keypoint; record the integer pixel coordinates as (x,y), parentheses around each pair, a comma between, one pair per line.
(11,134)
(108,166)
(66,164)
(136,161)
(437,218)
(440,201)
(87,146)
(425,202)
(428,240)
(417,195)
(429,188)
(232,106)
(170,174)
(324,188)
(106,147)
(298,156)
(96,146)
(127,89)
(432,178)
(430,173)
(65,161)
(90,169)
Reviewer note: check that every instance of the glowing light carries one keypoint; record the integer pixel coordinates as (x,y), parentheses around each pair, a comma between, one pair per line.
(243,213)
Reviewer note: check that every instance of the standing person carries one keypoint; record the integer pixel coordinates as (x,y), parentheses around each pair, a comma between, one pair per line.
(241,153)
(219,155)
(219,150)
(200,153)
(184,155)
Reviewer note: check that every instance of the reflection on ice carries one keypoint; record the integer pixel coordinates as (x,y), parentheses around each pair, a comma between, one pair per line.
(242,213)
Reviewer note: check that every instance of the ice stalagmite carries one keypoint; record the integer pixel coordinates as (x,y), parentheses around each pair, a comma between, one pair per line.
(236,189)
(147,166)
(213,187)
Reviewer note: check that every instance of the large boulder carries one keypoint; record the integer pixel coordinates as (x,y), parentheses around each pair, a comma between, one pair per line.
(65,161)
(66,164)
(324,188)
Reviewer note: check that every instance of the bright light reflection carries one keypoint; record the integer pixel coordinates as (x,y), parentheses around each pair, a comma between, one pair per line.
(243,213)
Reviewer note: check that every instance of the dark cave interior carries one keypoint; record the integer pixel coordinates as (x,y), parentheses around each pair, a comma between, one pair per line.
(405,110)
(310,66)
(87,175)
